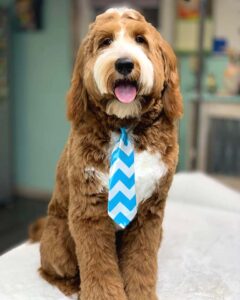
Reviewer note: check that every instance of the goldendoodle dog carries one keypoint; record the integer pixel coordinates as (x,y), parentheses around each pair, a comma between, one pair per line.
(104,223)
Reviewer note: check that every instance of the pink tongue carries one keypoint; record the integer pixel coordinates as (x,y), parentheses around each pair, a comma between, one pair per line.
(125,93)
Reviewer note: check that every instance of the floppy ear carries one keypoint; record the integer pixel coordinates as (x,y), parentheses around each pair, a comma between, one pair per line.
(171,97)
(77,94)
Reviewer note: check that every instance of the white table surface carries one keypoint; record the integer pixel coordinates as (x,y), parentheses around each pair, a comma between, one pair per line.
(199,258)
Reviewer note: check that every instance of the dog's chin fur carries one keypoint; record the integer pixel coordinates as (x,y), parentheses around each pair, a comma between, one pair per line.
(122,110)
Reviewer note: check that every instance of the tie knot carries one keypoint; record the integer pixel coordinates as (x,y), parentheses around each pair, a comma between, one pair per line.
(124,136)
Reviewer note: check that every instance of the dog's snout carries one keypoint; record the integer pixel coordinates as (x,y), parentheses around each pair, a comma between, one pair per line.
(124,66)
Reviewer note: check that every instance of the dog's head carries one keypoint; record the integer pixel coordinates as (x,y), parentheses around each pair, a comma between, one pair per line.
(124,68)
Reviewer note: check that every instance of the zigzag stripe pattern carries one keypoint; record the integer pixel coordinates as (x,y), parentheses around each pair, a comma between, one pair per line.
(122,203)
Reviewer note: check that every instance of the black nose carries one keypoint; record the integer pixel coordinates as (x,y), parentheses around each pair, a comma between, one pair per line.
(124,65)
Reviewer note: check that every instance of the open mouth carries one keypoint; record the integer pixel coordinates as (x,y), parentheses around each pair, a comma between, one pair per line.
(125,90)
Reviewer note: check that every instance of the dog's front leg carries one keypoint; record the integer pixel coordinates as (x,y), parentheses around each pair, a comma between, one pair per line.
(96,253)
(138,257)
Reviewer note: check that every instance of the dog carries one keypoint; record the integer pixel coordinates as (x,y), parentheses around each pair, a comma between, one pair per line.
(125,76)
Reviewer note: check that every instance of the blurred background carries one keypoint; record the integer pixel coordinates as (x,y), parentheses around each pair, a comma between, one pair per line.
(38,42)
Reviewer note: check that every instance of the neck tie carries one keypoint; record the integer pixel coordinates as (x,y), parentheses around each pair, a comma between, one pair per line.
(122,204)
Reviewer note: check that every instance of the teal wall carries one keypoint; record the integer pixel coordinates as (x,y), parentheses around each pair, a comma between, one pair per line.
(40,76)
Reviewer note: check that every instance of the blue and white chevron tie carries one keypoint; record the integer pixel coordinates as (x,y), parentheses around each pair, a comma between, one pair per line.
(122,204)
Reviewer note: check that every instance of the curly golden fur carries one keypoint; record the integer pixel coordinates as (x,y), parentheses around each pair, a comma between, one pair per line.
(81,249)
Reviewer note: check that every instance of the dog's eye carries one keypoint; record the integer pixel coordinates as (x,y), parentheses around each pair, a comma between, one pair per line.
(105,42)
(140,39)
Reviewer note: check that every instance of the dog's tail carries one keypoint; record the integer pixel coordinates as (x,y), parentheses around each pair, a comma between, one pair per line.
(35,230)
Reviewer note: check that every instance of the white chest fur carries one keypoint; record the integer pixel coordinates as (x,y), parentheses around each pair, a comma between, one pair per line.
(149,168)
